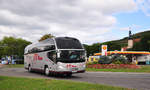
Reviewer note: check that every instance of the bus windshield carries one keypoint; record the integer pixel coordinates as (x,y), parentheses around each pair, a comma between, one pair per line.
(70,56)
(68,43)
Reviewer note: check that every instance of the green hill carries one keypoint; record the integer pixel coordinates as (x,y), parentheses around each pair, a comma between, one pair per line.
(124,40)
(142,45)
(135,36)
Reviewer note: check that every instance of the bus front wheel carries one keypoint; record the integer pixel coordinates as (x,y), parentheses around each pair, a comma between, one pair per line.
(69,75)
(46,71)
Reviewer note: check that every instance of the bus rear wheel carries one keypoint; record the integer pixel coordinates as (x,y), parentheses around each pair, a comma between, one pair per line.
(29,68)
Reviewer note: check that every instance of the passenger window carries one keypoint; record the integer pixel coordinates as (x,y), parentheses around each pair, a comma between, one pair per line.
(50,47)
(52,55)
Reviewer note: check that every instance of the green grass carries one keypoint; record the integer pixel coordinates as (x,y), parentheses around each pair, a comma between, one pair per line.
(14,66)
(144,69)
(15,83)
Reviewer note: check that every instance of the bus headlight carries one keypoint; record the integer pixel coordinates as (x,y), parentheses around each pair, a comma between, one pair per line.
(61,68)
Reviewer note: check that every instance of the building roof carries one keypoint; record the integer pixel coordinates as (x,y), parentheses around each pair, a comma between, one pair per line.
(124,52)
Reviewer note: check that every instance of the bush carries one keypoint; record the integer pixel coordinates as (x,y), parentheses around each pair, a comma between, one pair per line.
(105,60)
(115,59)
(119,60)
(91,63)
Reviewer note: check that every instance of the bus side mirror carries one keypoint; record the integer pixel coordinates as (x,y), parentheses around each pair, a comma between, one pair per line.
(58,55)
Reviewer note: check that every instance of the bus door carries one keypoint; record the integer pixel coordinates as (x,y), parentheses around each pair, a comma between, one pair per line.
(52,55)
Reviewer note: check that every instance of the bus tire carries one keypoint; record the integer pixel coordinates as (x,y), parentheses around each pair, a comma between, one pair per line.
(46,71)
(69,75)
(29,68)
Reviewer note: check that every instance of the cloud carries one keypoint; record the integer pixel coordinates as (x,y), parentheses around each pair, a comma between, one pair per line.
(88,20)
(144,5)
(131,27)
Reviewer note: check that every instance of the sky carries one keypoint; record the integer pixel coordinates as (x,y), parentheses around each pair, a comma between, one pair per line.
(91,21)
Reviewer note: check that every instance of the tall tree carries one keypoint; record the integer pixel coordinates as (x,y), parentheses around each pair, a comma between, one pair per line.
(1,49)
(13,46)
(91,49)
(143,45)
(46,36)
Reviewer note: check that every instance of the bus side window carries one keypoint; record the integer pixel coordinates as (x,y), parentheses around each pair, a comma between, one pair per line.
(52,55)
(50,47)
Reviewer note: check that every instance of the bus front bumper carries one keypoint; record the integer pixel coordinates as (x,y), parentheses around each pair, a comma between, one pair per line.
(67,72)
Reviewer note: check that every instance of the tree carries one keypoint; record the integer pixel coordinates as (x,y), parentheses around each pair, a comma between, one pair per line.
(1,49)
(21,46)
(13,46)
(143,45)
(46,36)
(112,45)
(91,49)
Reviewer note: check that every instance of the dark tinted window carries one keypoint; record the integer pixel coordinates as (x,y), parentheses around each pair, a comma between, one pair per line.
(44,45)
(71,56)
(50,47)
(52,55)
(68,43)
(42,48)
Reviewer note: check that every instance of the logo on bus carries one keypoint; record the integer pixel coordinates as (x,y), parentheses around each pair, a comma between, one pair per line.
(69,66)
(37,57)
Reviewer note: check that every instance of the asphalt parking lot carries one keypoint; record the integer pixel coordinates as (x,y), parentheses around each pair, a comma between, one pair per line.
(139,81)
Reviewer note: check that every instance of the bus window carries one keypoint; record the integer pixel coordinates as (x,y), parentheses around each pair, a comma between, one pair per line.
(50,47)
(52,55)
(41,48)
(34,50)
(68,43)
(71,56)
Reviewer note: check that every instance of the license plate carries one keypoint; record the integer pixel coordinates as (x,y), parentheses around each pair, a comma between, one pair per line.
(74,69)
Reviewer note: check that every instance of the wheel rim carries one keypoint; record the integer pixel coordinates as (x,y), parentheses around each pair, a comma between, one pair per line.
(47,71)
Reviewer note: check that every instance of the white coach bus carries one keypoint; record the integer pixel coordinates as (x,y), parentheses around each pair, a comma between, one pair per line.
(60,55)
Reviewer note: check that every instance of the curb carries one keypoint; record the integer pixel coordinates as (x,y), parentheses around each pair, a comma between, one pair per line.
(117,72)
